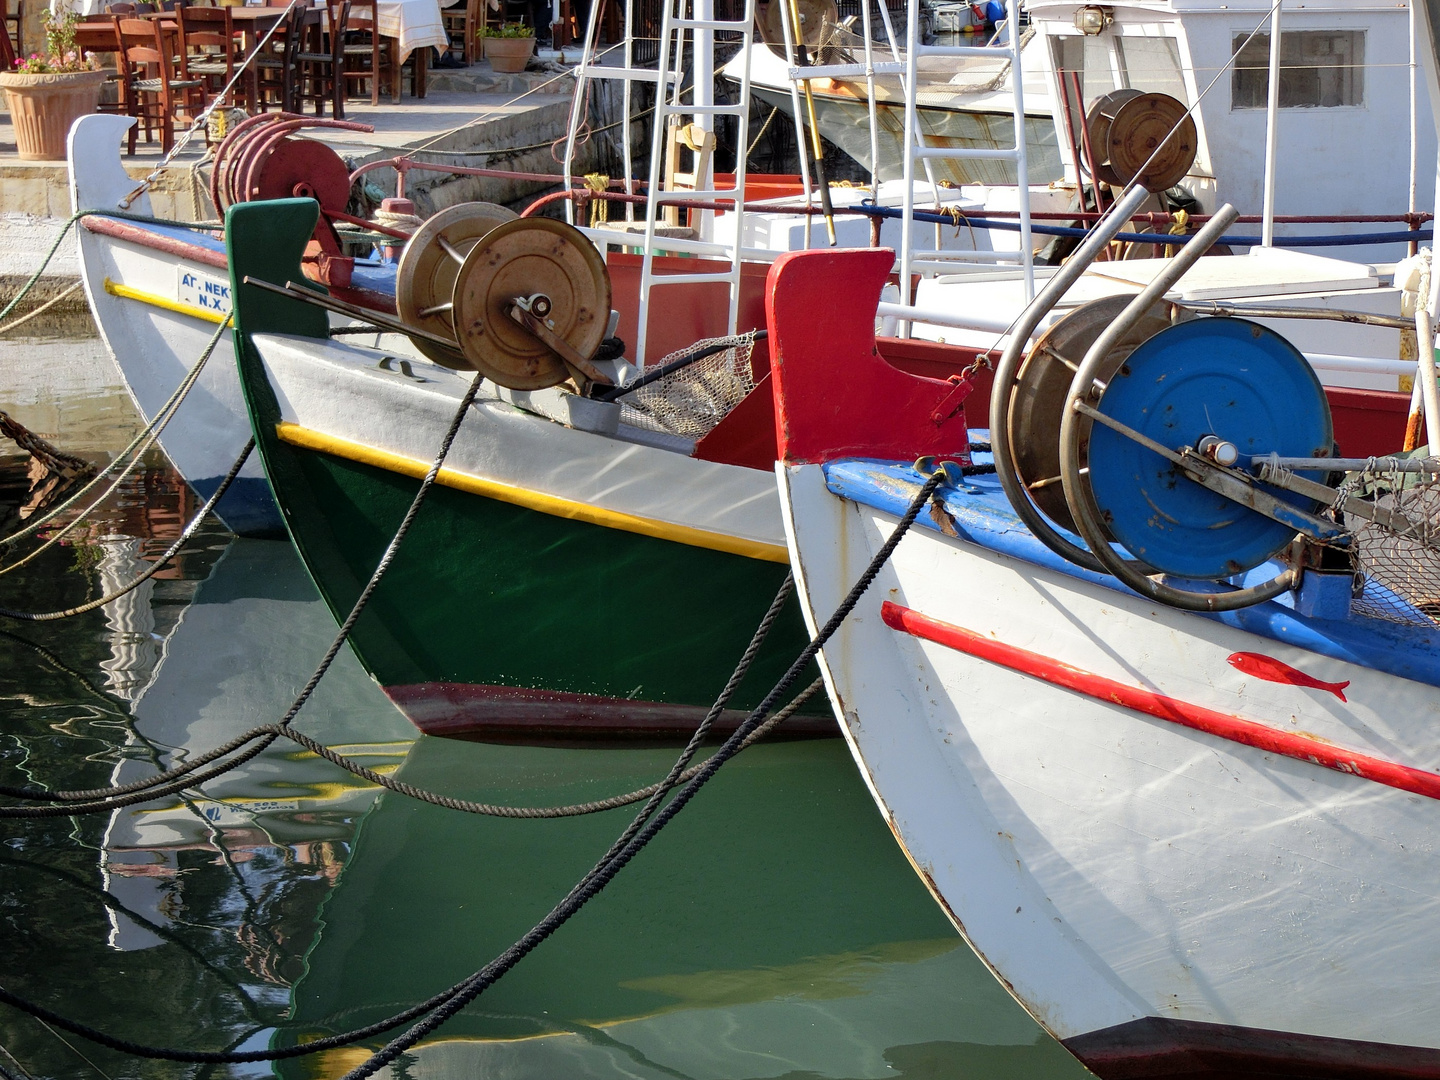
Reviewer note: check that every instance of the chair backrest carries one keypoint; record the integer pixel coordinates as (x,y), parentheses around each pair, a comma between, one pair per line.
(173,5)
(121,9)
(145,9)
(141,43)
(207,27)
(362,16)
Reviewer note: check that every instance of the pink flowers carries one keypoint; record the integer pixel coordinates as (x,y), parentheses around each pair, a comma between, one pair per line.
(62,56)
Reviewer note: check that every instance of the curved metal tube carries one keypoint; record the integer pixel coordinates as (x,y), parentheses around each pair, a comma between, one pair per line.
(1080,388)
(1005,372)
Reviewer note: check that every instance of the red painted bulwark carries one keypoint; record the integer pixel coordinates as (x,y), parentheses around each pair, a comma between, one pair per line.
(120,229)
(1368,423)
(681,315)
(835,397)
(1172,710)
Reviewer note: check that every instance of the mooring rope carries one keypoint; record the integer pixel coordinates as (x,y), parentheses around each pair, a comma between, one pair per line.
(147,435)
(437,1009)
(188,775)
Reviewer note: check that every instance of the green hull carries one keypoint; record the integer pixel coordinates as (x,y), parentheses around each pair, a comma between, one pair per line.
(497,620)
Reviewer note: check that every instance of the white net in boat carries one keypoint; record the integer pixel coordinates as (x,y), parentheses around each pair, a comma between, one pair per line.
(692,399)
(1399,557)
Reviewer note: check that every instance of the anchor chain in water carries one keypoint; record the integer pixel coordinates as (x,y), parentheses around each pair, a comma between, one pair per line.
(437,1009)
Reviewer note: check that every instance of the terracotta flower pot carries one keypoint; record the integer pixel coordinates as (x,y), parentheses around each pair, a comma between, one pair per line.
(509,54)
(42,108)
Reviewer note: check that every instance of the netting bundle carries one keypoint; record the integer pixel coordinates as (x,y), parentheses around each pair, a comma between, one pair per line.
(1399,552)
(692,399)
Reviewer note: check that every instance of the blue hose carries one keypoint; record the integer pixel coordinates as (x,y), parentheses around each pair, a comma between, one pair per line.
(1334,240)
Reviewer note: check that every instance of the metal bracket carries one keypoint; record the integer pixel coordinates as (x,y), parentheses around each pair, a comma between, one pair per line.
(558,345)
(1233,484)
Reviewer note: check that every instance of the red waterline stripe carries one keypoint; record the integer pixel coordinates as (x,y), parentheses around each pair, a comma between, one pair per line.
(1260,736)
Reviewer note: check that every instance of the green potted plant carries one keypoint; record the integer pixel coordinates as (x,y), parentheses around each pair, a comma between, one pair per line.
(49,91)
(508,46)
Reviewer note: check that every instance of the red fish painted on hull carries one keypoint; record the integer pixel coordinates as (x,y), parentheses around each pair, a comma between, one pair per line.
(1272,670)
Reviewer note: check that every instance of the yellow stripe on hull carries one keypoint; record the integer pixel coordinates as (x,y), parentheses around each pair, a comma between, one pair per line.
(164,302)
(309,439)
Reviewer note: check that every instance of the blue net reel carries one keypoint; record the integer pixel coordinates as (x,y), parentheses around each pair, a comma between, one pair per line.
(1208,383)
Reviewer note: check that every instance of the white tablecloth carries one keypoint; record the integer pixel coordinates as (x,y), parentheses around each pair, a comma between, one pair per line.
(415,24)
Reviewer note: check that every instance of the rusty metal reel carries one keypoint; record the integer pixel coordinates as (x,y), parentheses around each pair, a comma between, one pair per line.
(429,267)
(1127,126)
(530,257)
(817,17)
(1042,384)
(1097,124)
(1141,125)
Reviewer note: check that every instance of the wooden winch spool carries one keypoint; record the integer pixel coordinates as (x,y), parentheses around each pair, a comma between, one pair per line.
(1126,127)
(531,303)
(1041,386)
(817,20)
(429,267)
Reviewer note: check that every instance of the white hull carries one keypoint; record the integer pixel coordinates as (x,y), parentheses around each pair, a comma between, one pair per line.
(1113,868)
(155,347)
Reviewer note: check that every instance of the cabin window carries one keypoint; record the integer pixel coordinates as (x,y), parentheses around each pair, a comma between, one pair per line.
(1090,59)
(1152,64)
(1321,69)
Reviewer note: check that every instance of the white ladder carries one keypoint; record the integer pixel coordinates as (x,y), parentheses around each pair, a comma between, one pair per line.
(916,150)
(701,28)
(590,68)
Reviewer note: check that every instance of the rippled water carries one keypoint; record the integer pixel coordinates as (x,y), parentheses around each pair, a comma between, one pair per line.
(774,930)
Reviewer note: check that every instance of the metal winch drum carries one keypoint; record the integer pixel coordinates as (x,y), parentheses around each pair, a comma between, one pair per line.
(1126,127)
(526,301)
(1153,446)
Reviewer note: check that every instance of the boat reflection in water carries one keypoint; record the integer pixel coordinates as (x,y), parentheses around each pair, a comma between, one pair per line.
(773,930)
(240,652)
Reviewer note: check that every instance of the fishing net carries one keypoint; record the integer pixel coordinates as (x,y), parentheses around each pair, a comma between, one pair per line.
(1399,554)
(697,395)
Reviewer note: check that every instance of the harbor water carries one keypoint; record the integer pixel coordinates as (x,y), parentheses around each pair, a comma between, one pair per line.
(775,930)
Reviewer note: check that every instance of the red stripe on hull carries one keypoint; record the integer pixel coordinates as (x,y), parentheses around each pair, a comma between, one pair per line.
(514,715)
(120,229)
(1171,710)
(1187,1050)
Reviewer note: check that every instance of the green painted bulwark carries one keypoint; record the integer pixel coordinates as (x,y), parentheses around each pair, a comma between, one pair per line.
(484,593)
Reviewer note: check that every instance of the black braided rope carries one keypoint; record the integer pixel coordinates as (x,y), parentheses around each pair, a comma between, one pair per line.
(658,792)
(446,1003)
(604,872)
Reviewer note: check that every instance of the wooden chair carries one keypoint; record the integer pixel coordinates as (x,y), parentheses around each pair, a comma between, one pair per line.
(360,49)
(464,18)
(99,35)
(319,69)
(152,88)
(121,9)
(275,66)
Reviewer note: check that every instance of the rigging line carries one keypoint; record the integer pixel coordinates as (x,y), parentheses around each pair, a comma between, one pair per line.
(73,1048)
(1160,146)
(148,435)
(500,110)
(6,1074)
(155,567)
